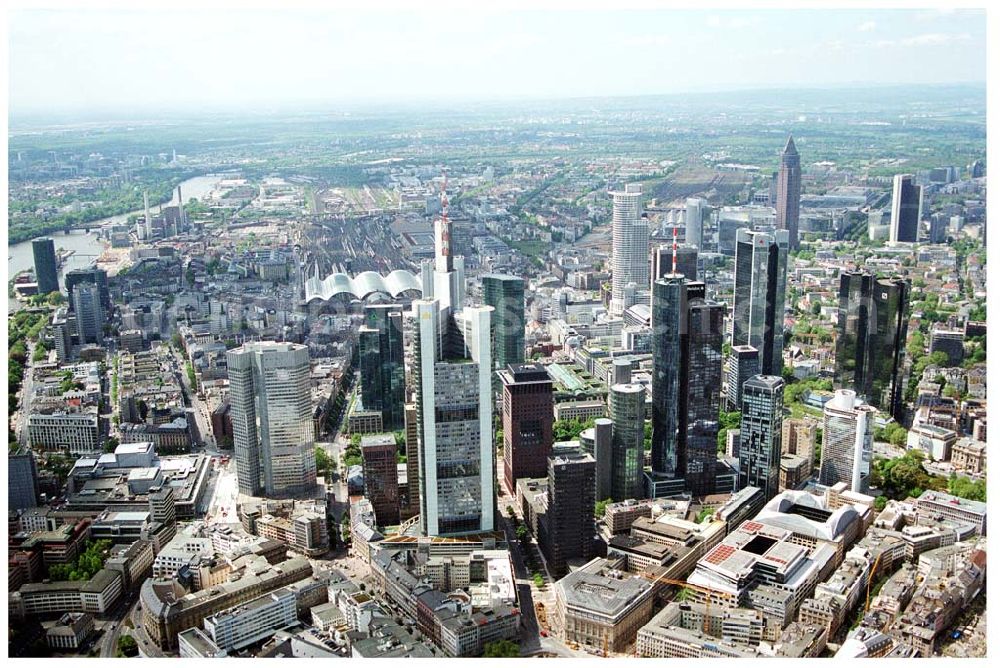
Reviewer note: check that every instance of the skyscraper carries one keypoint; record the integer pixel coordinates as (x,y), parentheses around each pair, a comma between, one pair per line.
(568,531)
(907,199)
(694,222)
(687,379)
(147,218)
(378,459)
(527,422)
(271,409)
(410,504)
(744,364)
(788,192)
(506,295)
(760,433)
(628,410)
(759,295)
(453,369)
(454,409)
(91,274)
(383,378)
(871,326)
(89,314)
(46,271)
(598,441)
(847,442)
(629,246)
(22,480)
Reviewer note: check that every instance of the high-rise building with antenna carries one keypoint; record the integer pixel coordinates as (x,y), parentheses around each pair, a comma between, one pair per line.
(453,376)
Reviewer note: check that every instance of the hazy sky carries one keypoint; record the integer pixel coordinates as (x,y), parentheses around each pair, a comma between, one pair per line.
(137,60)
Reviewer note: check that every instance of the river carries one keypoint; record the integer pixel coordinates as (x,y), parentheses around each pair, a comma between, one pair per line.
(89,247)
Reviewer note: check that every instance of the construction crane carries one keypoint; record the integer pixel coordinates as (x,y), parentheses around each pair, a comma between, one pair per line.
(871,576)
(681,583)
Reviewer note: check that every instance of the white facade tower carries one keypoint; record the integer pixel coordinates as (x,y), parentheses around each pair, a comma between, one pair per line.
(453,369)
(848,426)
(694,222)
(149,219)
(629,247)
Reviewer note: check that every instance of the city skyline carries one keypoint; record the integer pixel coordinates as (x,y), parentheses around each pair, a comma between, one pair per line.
(644,52)
(516,377)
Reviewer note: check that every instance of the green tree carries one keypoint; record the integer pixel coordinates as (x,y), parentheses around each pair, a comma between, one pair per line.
(966,488)
(707,511)
(570,430)
(127,645)
(501,649)
(600,507)
(896,434)
(729,420)
(345,529)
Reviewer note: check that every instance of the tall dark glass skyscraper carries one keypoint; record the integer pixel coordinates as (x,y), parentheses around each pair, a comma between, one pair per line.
(90,315)
(628,411)
(759,295)
(687,379)
(760,434)
(22,479)
(568,528)
(506,295)
(91,274)
(871,325)
(904,225)
(383,379)
(44,251)
(788,192)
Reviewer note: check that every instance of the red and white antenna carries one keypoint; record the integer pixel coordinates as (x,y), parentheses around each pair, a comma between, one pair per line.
(674,270)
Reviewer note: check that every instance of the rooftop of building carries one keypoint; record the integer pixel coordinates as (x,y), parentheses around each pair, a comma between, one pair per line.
(600,588)
(806,514)
(529,372)
(377,440)
(201,643)
(389,640)
(941,498)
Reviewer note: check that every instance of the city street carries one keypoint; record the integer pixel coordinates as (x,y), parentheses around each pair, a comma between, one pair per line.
(222,504)
(19,420)
(113,629)
(198,412)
